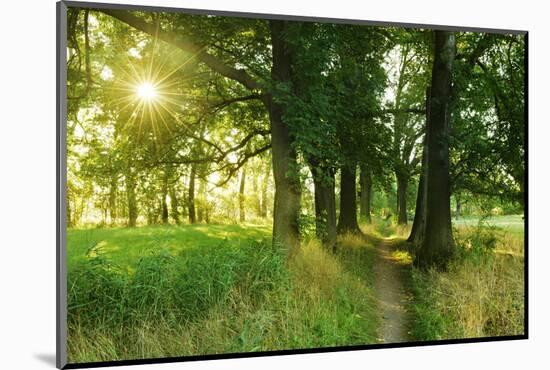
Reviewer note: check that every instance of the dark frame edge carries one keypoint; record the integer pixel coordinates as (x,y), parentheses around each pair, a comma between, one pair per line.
(223,356)
(61,177)
(526,186)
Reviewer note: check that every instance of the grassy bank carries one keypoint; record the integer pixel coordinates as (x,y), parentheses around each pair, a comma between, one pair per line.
(189,290)
(482,292)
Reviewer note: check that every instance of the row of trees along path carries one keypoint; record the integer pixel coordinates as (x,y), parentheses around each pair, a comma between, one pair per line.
(319,86)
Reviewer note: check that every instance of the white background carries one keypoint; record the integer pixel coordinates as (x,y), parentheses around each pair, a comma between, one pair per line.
(27,182)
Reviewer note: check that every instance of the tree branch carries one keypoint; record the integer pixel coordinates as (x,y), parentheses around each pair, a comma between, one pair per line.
(87,59)
(219,106)
(398,111)
(186,45)
(241,163)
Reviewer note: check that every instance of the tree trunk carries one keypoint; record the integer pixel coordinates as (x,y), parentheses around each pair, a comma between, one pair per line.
(402,182)
(164,204)
(438,245)
(325,205)
(112,199)
(419,224)
(265,184)
(200,203)
(256,193)
(365,181)
(286,210)
(242,216)
(347,221)
(191,196)
(174,212)
(131,196)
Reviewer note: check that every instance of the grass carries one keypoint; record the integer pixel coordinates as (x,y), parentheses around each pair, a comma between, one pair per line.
(161,291)
(482,292)
(512,223)
(125,246)
(192,290)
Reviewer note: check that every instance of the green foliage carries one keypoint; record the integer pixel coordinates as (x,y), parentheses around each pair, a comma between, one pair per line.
(226,296)
(488,141)
(480,242)
(210,288)
(308,226)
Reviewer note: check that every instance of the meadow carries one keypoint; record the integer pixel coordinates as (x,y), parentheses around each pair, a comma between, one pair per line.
(160,291)
(163,291)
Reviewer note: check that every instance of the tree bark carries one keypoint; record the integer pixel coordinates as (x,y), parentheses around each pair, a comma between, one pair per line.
(287,184)
(347,221)
(191,196)
(256,193)
(200,203)
(265,185)
(438,245)
(419,224)
(242,215)
(365,181)
(325,204)
(402,183)
(174,212)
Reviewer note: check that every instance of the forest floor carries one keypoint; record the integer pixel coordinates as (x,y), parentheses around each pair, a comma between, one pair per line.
(392,294)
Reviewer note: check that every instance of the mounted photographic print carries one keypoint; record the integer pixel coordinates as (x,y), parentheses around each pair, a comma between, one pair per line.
(234,185)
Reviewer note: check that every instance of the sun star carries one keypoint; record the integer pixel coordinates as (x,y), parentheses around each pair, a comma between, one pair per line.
(147,91)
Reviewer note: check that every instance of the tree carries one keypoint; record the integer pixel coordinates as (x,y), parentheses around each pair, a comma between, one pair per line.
(365,196)
(419,224)
(488,137)
(242,212)
(438,244)
(287,188)
(409,80)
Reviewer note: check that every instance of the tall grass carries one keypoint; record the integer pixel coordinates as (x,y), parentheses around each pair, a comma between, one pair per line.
(385,228)
(482,292)
(223,297)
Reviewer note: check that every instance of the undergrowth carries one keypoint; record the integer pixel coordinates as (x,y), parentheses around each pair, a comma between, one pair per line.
(480,295)
(221,298)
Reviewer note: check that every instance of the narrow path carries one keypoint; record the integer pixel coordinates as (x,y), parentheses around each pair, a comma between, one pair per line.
(391,294)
